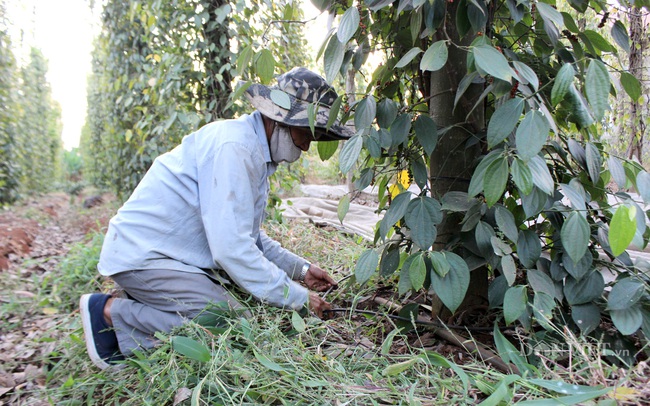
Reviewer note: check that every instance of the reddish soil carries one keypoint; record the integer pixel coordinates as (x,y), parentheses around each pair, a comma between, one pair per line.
(59,213)
(16,236)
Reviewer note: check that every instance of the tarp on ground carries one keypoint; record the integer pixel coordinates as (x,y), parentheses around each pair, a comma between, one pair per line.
(320,206)
(359,220)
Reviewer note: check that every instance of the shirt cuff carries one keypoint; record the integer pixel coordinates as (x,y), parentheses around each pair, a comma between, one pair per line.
(298,297)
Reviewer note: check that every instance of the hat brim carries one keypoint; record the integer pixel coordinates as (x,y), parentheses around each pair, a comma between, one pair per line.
(297,116)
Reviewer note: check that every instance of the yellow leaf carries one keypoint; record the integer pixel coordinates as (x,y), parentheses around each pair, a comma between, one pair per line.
(403,179)
(50,310)
(393,190)
(627,394)
(401,185)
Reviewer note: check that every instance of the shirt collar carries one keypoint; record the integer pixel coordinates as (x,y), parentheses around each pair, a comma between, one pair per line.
(258,126)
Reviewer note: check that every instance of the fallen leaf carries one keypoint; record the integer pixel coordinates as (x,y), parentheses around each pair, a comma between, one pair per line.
(24,293)
(181,395)
(6,380)
(32,372)
(50,310)
(19,377)
(626,394)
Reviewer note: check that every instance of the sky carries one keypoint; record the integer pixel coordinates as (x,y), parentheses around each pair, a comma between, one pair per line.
(64,31)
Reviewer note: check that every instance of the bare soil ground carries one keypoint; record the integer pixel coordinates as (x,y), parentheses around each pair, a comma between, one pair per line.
(47,225)
(34,237)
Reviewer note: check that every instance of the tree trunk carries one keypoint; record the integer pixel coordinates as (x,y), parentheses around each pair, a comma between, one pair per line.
(452,162)
(636,123)
(218,87)
(350,89)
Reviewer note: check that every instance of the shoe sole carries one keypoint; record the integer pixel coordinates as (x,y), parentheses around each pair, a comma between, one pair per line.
(88,333)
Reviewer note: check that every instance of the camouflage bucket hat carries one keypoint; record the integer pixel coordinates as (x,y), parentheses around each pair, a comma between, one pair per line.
(288,101)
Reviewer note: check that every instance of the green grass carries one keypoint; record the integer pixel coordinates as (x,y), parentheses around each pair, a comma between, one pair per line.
(322,172)
(277,357)
(261,361)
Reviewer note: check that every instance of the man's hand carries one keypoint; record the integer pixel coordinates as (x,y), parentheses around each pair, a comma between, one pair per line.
(318,280)
(317,305)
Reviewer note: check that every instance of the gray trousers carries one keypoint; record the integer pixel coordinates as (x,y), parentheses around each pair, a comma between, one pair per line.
(163,299)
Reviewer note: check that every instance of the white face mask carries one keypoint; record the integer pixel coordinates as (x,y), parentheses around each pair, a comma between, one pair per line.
(282,147)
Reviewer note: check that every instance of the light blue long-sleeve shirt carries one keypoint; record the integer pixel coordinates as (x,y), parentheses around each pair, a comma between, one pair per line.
(201,206)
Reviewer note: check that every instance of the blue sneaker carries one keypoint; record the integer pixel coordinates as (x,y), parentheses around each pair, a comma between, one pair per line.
(101,341)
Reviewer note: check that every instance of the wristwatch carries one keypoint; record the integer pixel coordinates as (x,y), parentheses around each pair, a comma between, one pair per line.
(303,271)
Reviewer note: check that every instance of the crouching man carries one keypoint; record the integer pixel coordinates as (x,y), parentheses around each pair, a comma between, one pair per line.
(198,211)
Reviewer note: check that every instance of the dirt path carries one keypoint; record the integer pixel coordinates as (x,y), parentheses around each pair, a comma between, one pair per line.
(44,226)
(35,237)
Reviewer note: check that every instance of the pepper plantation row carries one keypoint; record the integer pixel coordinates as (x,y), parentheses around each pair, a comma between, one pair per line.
(31,150)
